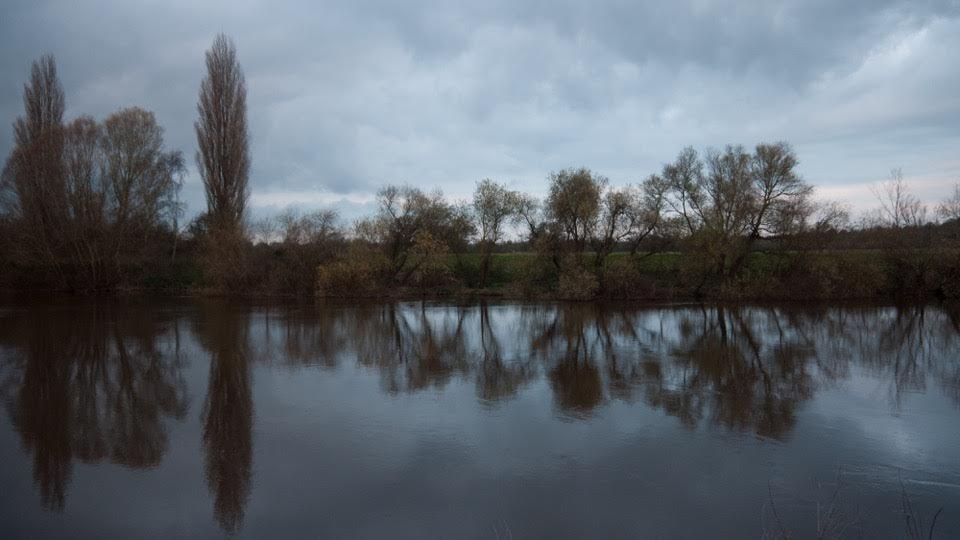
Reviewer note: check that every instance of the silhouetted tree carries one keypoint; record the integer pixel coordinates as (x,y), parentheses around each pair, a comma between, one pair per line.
(87,201)
(223,158)
(141,181)
(898,207)
(34,192)
(949,208)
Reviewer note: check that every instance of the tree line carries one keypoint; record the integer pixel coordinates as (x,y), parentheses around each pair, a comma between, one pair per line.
(84,197)
(94,205)
(712,210)
(90,204)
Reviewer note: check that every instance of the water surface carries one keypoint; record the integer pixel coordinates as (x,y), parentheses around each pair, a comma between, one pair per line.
(200,418)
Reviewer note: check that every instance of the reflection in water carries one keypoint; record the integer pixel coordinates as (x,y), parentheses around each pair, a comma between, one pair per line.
(93,384)
(497,379)
(97,383)
(732,368)
(227,412)
(744,369)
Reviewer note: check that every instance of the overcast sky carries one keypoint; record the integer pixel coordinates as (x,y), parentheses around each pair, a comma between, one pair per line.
(347,96)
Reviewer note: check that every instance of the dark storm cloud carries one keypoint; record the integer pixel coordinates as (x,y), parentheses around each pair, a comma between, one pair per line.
(346,96)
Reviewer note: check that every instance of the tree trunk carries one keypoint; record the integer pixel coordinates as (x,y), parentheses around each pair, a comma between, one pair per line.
(485,255)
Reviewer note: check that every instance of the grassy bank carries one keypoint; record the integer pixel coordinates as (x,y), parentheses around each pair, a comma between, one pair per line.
(821,275)
(782,275)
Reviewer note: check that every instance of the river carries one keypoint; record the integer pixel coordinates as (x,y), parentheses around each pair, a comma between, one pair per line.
(136,418)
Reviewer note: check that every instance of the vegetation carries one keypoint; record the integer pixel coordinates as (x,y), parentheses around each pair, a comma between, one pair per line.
(734,224)
(94,206)
(87,205)
(223,160)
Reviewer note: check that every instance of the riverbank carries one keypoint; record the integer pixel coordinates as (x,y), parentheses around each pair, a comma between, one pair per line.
(821,275)
(666,276)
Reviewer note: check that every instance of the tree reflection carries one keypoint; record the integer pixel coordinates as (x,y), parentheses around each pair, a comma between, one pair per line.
(741,368)
(497,377)
(910,345)
(412,346)
(93,384)
(744,369)
(227,411)
(99,382)
(738,369)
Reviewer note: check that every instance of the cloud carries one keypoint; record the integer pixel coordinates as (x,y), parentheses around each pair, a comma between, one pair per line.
(347,96)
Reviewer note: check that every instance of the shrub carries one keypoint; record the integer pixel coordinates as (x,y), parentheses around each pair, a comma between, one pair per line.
(224,257)
(622,279)
(576,283)
(429,262)
(465,268)
(533,276)
(949,275)
(858,277)
(835,276)
(361,272)
(916,272)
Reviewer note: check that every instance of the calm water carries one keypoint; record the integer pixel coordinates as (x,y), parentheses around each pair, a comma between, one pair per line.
(207,418)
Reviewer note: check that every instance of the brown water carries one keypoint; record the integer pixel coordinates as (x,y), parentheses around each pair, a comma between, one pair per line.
(204,418)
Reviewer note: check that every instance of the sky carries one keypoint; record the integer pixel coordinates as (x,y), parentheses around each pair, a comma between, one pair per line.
(347,96)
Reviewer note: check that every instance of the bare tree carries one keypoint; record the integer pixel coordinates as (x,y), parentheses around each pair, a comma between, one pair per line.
(403,214)
(685,179)
(614,224)
(949,208)
(529,215)
(88,199)
(646,216)
(223,158)
(714,200)
(313,228)
(290,247)
(43,101)
(781,194)
(898,207)
(736,198)
(120,184)
(728,190)
(628,215)
(142,178)
(830,216)
(493,206)
(34,193)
